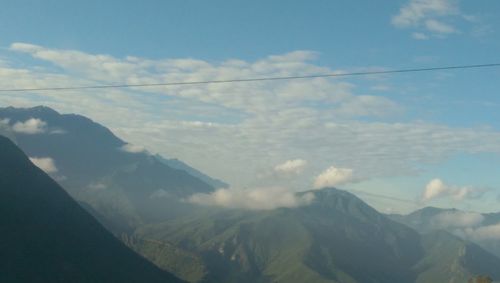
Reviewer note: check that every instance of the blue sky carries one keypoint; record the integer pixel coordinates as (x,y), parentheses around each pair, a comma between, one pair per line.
(393,133)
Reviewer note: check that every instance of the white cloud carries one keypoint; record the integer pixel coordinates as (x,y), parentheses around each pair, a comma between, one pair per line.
(131,148)
(30,127)
(439,27)
(457,219)
(436,189)
(47,164)
(429,17)
(253,199)
(420,36)
(245,127)
(97,186)
(295,166)
(334,176)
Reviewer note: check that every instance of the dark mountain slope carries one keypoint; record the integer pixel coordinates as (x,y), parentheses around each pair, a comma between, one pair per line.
(47,237)
(86,152)
(126,188)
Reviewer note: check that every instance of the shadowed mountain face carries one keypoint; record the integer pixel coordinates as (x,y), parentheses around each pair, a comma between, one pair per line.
(86,151)
(127,187)
(48,237)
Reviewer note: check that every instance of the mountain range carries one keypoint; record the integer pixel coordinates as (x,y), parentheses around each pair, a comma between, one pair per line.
(140,197)
(481,229)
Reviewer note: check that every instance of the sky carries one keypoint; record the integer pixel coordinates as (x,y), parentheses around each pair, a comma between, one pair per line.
(399,141)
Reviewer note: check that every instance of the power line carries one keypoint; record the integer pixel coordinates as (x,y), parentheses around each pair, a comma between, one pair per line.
(385,197)
(352,74)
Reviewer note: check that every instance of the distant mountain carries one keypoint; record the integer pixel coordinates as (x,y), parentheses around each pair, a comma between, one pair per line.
(47,237)
(421,220)
(429,219)
(126,185)
(177,164)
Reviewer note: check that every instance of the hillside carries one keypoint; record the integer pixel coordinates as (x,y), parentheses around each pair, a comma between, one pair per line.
(127,187)
(326,242)
(47,237)
(430,219)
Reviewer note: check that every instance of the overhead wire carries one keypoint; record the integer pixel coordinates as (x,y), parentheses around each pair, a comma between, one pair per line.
(261,79)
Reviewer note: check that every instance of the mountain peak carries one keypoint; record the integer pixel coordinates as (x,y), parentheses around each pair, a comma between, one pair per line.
(40,109)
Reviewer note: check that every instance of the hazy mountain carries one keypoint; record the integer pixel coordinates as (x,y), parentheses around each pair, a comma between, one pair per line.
(124,184)
(178,164)
(451,259)
(47,237)
(472,226)
(422,219)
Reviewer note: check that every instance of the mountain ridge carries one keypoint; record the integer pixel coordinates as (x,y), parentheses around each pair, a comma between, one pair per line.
(48,237)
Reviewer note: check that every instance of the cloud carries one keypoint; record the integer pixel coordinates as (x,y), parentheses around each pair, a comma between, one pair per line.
(490,232)
(97,186)
(439,27)
(130,148)
(4,125)
(420,36)
(30,127)
(457,219)
(249,97)
(436,189)
(47,164)
(246,127)
(253,199)
(333,176)
(295,166)
(429,17)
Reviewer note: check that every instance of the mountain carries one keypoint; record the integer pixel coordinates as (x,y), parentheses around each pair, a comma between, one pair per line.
(463,224)
(127,186)
(178,164)
(451,259)
(47,237)
(337,238)
(422,220)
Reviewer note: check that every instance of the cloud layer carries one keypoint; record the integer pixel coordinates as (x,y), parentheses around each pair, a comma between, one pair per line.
(295,166)
(430,18)
(235,131)
(457,219)
(253,199)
